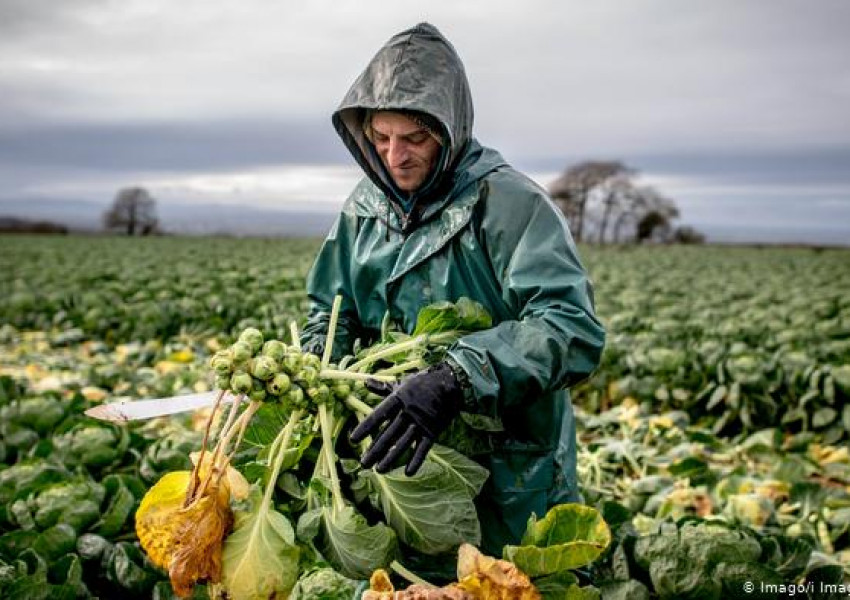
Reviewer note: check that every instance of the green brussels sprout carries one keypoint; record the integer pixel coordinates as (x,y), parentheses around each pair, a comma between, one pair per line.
(308,375)
(241,382)
(296,397)
(257,395)
(222,382)
(222,362)
(342,390)
(292,362)
(320,394)
(254,337)
(241,352)
(312,360)
(324,583)
(263,368)
(279,385)
(274,349)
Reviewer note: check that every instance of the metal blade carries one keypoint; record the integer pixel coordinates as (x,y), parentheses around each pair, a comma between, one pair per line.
(134,410)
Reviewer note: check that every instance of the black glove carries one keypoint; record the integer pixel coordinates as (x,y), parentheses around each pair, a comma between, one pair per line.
(315,346)
(416,412)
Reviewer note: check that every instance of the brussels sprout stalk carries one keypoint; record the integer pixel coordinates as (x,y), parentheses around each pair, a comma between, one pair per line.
(279,448)
(412,365)
(326,420)
(326,355)
(196,480)
(342,375)
(414,343)
(358,406)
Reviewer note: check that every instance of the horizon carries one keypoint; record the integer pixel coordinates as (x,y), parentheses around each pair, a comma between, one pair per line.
(736,112)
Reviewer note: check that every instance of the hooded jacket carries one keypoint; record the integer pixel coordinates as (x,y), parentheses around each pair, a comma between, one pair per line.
(478,229)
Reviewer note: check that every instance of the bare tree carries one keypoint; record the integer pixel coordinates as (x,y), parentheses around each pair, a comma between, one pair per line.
(133,210)
(575,187)
(639,201)
(615,193)
(655,223)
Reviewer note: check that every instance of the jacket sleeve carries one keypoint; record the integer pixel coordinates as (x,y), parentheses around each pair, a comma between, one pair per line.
(555,340)
(329,276)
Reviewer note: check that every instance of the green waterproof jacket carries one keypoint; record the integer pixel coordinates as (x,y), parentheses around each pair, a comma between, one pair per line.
(478,229)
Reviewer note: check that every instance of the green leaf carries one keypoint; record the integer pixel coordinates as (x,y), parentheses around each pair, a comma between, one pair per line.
(568,537)
(823,417)
(92,547)
(76,503)
(564,586)
(15,542)
(125,566)
(260,559)
(93,445)
(120,504)
(465,315)
(55,541)
(468,472)
(624,590)
(431,511)
(352,546)
(24,478)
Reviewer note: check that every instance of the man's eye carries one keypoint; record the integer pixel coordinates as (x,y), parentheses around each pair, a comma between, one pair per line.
(418,137)
(379,138)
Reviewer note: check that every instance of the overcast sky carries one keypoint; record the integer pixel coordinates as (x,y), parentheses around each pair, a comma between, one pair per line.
(738,110)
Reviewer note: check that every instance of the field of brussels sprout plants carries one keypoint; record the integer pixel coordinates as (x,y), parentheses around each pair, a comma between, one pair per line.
(713,439)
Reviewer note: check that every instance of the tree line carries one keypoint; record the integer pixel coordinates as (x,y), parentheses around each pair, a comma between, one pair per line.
(603,203)
(601,200)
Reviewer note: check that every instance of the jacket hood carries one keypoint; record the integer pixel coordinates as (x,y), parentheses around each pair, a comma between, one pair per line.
(416,70)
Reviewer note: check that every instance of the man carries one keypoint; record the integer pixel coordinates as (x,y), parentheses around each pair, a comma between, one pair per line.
(438,217)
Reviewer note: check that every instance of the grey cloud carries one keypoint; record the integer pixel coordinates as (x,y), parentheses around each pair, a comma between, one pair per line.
(19,17)
(173,146)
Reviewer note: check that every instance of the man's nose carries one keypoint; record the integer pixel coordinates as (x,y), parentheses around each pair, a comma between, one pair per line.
(398,153)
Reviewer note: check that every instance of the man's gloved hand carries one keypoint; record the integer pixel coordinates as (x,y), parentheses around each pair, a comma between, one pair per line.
(416,412)
(315,346)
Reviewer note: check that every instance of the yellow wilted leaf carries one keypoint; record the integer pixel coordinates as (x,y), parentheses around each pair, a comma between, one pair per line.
(380,582)
(185,541)
(200,535)
(485,577)
(156,520)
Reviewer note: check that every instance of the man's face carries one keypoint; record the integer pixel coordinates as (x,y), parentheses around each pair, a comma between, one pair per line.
(408,150)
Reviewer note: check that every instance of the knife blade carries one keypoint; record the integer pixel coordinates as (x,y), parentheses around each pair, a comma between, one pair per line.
(134,410)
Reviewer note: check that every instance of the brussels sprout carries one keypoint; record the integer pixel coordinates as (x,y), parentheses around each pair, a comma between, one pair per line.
(222,362)
(324,583)
(263,368)
(320,394)
(222,382)
(279,385)
(241,352)
(313,360)
(292,362)
(307,375)
(341,390)
(257,395)
(241,382)
(253,337)
(274,349)
(296,397)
